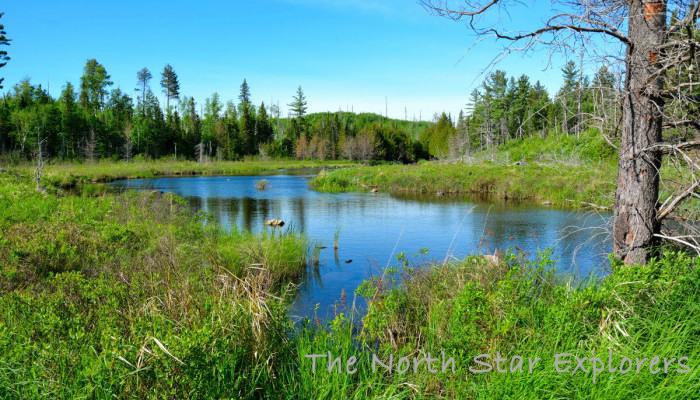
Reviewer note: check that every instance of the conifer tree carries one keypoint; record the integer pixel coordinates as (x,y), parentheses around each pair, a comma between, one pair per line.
(298,104)
(4,41)
(143,77)
(247,120)
(298,112)
(170,84)
(265,132)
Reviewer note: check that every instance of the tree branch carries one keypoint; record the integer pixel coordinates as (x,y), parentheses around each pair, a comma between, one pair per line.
(665,211)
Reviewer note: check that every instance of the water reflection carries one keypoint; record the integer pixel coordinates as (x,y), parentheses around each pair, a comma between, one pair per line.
(375,228)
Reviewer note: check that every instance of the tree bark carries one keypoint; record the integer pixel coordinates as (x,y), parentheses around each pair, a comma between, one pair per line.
(637,194)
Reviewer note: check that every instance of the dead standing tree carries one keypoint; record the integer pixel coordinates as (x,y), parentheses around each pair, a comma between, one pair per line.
(650,47)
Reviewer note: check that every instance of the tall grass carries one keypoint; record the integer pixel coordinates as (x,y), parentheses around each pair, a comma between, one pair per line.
(519,308)
(557,184)
(132,296)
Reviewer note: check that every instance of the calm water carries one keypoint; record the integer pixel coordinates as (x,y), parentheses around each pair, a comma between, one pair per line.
(375,228)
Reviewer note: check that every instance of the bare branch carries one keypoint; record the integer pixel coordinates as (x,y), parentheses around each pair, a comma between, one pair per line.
(663,213)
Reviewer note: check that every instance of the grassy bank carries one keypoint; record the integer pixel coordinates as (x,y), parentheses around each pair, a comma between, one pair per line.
(131,296)
(556,184)
(472,308)
(563,171)
(68,175)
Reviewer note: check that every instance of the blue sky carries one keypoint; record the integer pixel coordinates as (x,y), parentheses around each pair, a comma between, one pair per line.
(344,53)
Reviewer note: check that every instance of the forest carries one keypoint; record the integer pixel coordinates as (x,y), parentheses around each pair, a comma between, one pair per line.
(93,121)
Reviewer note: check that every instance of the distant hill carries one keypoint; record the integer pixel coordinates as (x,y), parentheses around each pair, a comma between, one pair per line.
(355,122)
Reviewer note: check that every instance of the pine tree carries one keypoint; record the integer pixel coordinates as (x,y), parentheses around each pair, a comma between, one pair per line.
(244,96)
(233,145)
(298,111)
(143,77)
(539,108)
(190,126)
(568,95)
(170,85)
(298,104)
(70,121)
(265,132)
(4,41)
(247,120)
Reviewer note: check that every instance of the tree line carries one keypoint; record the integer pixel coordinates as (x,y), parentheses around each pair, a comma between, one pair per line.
(94,121)
(505,108)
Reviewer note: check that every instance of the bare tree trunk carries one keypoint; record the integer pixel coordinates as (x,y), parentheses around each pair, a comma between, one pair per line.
(638,174)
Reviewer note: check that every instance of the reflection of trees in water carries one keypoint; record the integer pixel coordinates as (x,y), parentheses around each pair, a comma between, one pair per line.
(298,206)
(233,207)
(263,209)
(245,213)
(213,208)
(248,206)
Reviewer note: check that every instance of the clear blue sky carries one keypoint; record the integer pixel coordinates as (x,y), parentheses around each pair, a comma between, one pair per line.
(344,53)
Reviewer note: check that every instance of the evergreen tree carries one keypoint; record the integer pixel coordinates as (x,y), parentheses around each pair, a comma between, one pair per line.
(4,41)
(170,84)
(190,126)
(247,120)
(118,116)
(297,126)
(143,77)
(150,127)
(298,104)
(495,91)
(568,96)
(234,147)
(539,109)
(436,139)
(265,132)
(70,122)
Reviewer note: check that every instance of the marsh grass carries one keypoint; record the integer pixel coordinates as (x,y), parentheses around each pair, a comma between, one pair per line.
(71,175)
(518,308)
(557,184)
(130,295)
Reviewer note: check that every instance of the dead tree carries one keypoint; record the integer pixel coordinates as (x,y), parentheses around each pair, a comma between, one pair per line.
(651,44)
(39,170)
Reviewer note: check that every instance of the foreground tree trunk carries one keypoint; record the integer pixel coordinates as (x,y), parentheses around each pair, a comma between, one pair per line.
(637,194)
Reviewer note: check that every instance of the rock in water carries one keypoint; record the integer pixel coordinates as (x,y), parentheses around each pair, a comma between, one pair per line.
(275,223)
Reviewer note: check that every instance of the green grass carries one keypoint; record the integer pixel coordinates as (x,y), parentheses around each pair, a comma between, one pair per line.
(560,170)
(558,184)
(588,147)
(130,295)
(520,308)
(69,175)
